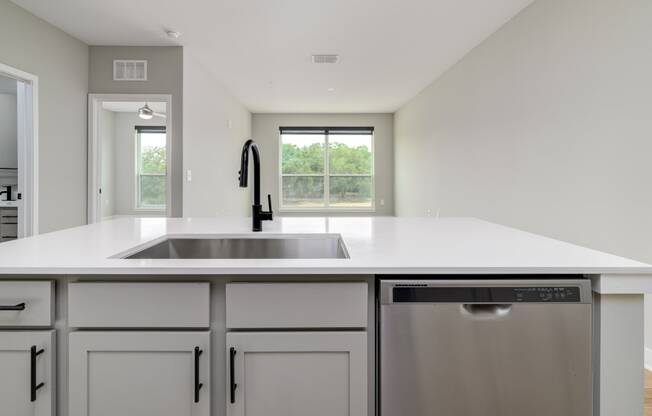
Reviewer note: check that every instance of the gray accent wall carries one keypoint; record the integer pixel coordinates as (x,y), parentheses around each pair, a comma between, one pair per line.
(165,76)
(546,127)
(61,63)
(265,129)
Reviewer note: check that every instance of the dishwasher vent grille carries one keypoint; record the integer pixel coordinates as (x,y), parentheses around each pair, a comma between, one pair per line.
(411,285)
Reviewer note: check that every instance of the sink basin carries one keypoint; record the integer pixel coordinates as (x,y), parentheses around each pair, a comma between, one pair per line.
(295,247)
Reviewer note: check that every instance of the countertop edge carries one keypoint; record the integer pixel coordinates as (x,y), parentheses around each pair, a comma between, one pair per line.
(175,270)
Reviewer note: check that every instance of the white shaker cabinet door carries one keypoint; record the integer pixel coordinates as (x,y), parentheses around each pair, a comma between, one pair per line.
(27,373)
(296,374)
(139,373)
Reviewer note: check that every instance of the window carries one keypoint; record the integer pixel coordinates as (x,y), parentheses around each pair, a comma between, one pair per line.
(151,167)
(327,168)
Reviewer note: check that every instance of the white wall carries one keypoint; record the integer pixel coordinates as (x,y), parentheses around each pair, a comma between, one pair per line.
(8,131)
(108,144)
(266,134)
(118,138)
(546,126)
(211,149)
(125,163)
(61,63)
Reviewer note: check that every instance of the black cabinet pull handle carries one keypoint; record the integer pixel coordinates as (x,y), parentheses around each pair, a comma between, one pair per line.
(18,307)
(198,385)
(234,386)
(33,353)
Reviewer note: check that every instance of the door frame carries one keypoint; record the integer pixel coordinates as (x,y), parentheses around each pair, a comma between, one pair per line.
(28,133)
(95,150)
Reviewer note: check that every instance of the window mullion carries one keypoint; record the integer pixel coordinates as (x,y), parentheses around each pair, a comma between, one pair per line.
(327,190)
(138,170)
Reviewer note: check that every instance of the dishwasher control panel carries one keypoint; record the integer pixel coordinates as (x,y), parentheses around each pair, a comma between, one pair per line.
(498,294)
(547,294)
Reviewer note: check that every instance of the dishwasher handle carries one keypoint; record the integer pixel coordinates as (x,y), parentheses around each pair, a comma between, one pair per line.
(486,310)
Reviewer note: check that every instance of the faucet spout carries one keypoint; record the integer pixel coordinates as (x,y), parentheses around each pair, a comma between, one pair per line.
(258,215)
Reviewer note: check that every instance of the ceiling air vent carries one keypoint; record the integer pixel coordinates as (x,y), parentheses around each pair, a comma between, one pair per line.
(325,59)
(129,70)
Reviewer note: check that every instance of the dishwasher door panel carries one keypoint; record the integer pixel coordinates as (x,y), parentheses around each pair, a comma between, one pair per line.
(529,359)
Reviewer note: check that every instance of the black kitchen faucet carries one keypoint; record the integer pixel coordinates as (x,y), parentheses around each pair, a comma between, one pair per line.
(258,215)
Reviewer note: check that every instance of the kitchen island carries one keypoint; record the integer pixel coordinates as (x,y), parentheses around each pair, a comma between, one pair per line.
(196,317)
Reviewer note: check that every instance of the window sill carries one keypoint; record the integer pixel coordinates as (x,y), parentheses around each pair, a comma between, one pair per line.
(328,210)
(150,210)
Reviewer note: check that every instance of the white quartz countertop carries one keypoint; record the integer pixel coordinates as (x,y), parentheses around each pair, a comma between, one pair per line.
(379,245)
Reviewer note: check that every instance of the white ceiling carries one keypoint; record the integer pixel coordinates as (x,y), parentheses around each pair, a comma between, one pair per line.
(260,49)
(132,106)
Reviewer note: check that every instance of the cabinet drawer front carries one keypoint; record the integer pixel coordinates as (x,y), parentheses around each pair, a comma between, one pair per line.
(26,304)
(8,213)
(138,305)
(296,305)
(8,230)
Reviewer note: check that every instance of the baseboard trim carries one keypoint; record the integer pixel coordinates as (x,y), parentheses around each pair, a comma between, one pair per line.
(648,359)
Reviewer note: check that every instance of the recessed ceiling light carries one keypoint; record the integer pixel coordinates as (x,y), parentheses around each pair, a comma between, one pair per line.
(172,34)
(331,89)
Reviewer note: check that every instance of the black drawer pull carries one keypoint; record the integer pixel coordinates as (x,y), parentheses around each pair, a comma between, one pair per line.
(234,386)
(198,385)
(33,386)
(18,307)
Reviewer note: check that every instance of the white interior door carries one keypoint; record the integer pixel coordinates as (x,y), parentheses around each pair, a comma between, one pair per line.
(27,373)
(139,373)
(296,374)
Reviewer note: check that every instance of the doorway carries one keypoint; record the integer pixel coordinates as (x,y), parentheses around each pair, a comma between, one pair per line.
(129,156)
(18,154)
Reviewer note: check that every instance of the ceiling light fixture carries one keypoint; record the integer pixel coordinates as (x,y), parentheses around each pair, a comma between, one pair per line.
(145,112)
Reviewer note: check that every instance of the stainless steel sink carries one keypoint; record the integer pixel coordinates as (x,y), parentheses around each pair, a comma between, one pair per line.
(264,247)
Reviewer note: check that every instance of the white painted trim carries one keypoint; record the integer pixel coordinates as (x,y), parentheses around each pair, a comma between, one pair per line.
(648,359)
(94,150)
(618,344)
(28,149)
(622,284)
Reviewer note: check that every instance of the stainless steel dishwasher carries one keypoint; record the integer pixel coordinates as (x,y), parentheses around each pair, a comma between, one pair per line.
(485,347)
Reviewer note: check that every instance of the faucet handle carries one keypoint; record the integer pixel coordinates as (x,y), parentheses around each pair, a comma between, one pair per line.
(269,202)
